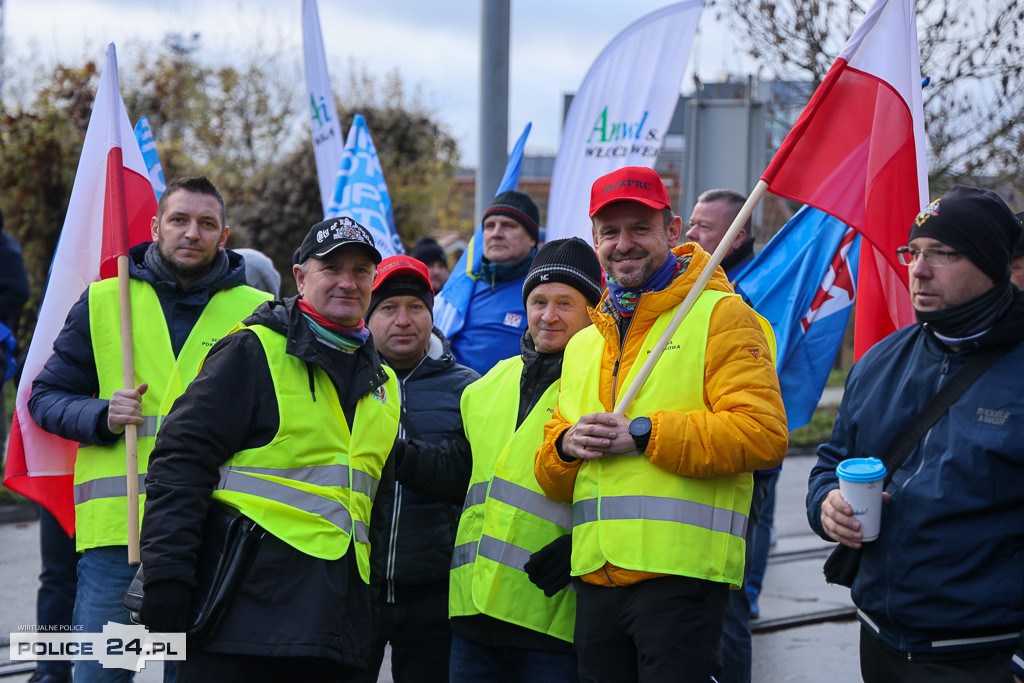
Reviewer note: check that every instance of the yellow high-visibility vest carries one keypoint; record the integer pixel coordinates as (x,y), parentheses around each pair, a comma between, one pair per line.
(627,511)
(101,506)
(506,516)
(314,484)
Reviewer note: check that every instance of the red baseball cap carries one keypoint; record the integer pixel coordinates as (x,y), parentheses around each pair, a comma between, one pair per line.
(629,184)
(400,264)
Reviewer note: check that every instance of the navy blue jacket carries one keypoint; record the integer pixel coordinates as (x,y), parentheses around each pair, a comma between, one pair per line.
(62,394)
(13,280)
(420,532)
(949,563)
(495,322)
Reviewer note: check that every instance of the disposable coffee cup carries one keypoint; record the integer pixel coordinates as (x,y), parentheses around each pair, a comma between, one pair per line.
(860,483)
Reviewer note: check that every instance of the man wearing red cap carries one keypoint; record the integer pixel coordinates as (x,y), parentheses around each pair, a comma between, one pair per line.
(419,534)
(660,497)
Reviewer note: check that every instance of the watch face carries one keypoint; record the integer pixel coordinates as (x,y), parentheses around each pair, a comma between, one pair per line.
(640,426)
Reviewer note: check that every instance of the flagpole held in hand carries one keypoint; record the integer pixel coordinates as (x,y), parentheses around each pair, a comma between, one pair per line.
(131,444)
(116,210)
(691,296)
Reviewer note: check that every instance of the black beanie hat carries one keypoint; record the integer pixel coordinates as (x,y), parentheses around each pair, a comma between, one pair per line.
(519,207)
(429,251)
(1018,250)
(570,261)
(973,221)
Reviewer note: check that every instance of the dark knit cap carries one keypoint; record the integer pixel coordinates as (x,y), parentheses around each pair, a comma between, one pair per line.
(1018,250)
(570,261)
(428,251)
(519,207)
(973,221)
(401,275)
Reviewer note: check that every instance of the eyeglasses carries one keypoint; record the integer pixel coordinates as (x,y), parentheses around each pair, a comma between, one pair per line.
(933,256)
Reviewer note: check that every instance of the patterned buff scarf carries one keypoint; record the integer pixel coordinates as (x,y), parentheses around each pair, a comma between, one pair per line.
(625,299)
(345,338)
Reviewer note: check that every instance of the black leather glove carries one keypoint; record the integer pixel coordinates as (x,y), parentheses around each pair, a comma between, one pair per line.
(166,606)
(549,567)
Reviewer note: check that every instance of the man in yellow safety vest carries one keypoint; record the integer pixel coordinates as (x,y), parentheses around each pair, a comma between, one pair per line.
(511,611)
(187,291)
(659,496)
(289,424)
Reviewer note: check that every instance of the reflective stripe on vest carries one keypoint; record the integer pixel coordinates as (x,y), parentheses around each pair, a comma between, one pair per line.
(335,513)
(149,425)
(664,509)
(627,511)
(313,485)
(530,501)
(476,496)
(321,475)
(100,519)
(105,487)
(506,516)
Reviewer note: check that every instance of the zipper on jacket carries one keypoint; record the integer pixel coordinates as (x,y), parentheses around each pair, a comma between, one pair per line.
(393,547)
(622,343)
(396,506)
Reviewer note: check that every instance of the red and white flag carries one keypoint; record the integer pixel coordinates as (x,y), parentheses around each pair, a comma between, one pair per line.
(857,152)
(112,203)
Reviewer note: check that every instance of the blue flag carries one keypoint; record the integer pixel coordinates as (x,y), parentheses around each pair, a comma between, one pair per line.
(452,302)
(803,282)
(144,134)
(360,191)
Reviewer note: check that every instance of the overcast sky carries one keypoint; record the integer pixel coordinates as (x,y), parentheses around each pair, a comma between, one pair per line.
(434,45)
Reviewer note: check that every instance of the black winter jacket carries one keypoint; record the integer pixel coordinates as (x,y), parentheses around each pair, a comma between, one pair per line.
(420,531)
(13,280)
(290,604)
(62,394)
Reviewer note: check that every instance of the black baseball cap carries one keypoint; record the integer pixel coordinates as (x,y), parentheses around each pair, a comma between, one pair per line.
(328,235)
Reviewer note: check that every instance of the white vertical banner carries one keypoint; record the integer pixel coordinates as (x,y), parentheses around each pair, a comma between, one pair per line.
(324,124)
(621,112)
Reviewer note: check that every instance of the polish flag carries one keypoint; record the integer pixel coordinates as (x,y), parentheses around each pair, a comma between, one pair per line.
(857,152)
(112,204)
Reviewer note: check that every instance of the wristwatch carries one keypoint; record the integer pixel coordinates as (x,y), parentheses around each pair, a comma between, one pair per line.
(640,430)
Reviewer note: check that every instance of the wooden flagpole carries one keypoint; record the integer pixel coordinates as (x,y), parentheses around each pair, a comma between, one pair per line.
(691,296)
(116,218)
(131,444)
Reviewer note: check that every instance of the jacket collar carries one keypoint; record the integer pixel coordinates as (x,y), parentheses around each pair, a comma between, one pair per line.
(360,377)
(692,260)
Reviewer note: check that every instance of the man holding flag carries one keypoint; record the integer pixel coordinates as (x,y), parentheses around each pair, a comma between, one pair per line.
(187,291)
(660,501)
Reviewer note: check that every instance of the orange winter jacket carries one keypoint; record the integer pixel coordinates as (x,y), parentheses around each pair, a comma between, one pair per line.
(744,426)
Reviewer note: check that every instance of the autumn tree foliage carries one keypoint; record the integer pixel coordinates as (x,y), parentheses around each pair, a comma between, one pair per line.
(972,55)
(244,125)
